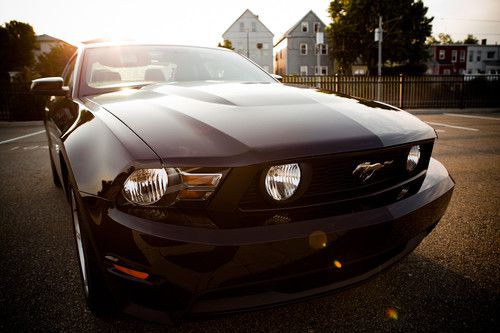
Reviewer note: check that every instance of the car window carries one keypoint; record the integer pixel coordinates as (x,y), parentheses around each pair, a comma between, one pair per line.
(68,72)
(120,66)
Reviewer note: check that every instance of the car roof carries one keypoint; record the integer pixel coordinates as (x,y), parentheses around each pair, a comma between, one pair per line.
(97,43)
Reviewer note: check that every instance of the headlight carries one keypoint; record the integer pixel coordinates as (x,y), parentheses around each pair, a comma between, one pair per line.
(413,158)
(282,181)
(146,186)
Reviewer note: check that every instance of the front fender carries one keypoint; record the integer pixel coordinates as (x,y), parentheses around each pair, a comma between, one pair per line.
(98,148)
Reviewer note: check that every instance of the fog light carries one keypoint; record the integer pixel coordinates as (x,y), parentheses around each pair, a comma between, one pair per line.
(413,158)
(282,181)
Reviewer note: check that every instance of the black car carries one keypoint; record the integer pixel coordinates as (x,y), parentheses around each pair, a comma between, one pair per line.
(198,183)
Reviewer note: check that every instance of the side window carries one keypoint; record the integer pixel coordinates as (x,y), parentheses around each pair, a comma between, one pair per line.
(68,72)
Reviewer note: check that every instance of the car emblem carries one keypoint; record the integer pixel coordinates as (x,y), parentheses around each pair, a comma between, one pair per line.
(365,170)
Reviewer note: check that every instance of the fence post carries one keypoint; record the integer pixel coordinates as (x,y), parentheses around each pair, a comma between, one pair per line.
(336,82)
(401,90)
(462,91)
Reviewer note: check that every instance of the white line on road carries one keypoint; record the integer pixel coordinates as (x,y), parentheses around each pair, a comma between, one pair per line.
(470,116)
(453,126)
(14,148)
(22,137)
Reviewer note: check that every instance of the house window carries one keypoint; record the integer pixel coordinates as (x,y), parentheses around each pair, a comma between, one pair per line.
(323,48)
(305,26)
(303,70)
(490,54)
(446,72)
(254,26)
(317,27)
(242,26)
(462,55)
(303,48)
(478,57)
(471,56)
(442,54)
(454,55)
(323,70)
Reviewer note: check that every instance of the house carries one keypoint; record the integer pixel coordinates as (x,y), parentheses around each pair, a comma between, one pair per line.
(251,38)
(447,59)
(483,59)
(46,43)
(296,52)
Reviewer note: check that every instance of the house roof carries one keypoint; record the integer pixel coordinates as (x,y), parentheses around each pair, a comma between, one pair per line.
(287,33)
(48,38)
(250,12)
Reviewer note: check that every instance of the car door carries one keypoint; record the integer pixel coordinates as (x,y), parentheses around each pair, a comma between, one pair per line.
(61,112)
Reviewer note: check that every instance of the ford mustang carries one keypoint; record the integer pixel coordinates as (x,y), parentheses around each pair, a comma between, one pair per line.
(198,183)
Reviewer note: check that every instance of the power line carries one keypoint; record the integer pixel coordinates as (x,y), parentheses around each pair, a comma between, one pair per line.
(468,19)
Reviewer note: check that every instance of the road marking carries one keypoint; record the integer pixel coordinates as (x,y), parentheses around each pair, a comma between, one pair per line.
(469,116)
(453,126)
(14,148)
(30,147)
(22,137)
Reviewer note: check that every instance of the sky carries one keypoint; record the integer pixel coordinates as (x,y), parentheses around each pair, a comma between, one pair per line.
(202,22)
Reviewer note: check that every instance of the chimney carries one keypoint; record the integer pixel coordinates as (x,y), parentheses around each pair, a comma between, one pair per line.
(483,41)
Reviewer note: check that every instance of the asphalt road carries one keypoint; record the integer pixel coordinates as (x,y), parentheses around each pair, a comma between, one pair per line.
(450,283)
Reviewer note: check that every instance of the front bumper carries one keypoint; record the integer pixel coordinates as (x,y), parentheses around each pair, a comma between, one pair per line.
(202,270)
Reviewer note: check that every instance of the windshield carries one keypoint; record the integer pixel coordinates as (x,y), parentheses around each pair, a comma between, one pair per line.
(114,67)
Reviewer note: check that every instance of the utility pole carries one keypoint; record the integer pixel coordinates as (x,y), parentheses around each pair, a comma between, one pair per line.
(319,42)
(379,36)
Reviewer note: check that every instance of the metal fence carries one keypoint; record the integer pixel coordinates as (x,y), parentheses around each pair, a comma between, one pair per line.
(18,103)
(411,92)
(408,92)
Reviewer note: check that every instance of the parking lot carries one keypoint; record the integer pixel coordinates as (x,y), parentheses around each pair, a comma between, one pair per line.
(450,283)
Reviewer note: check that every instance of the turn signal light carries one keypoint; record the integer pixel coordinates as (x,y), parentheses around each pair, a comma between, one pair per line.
(131,272)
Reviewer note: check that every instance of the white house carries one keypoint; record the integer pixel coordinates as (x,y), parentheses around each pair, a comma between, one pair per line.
(483,59)
(251,38)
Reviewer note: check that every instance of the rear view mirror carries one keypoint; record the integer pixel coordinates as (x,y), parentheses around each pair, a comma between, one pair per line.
(51,86)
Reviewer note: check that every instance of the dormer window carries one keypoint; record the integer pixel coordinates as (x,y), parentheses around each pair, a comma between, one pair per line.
(305,26)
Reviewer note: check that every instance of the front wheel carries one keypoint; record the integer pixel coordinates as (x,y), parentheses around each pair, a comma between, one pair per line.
(97,294)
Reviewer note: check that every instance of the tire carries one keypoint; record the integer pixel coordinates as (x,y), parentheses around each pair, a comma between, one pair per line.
(55,176)
(97,294)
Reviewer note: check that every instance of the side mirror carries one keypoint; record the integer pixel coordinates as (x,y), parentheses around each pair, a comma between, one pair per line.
(277,77)
(50,86)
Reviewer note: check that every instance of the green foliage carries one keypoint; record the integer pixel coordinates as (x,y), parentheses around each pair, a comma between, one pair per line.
(471,39)
(53,63)
(226,44)
(351,33)
(17,42)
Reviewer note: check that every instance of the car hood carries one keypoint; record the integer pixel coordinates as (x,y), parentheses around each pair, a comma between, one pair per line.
(235,124)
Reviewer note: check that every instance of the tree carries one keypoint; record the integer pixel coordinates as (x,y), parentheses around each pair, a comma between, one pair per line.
(352,30)
(17,41)
(52,63)
(227,44)
(441,39)
(470,39)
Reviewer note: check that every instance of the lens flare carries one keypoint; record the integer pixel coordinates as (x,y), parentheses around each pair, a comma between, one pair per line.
(392,313)
(317,240)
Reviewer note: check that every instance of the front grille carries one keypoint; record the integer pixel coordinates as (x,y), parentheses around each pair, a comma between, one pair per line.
(332,177)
